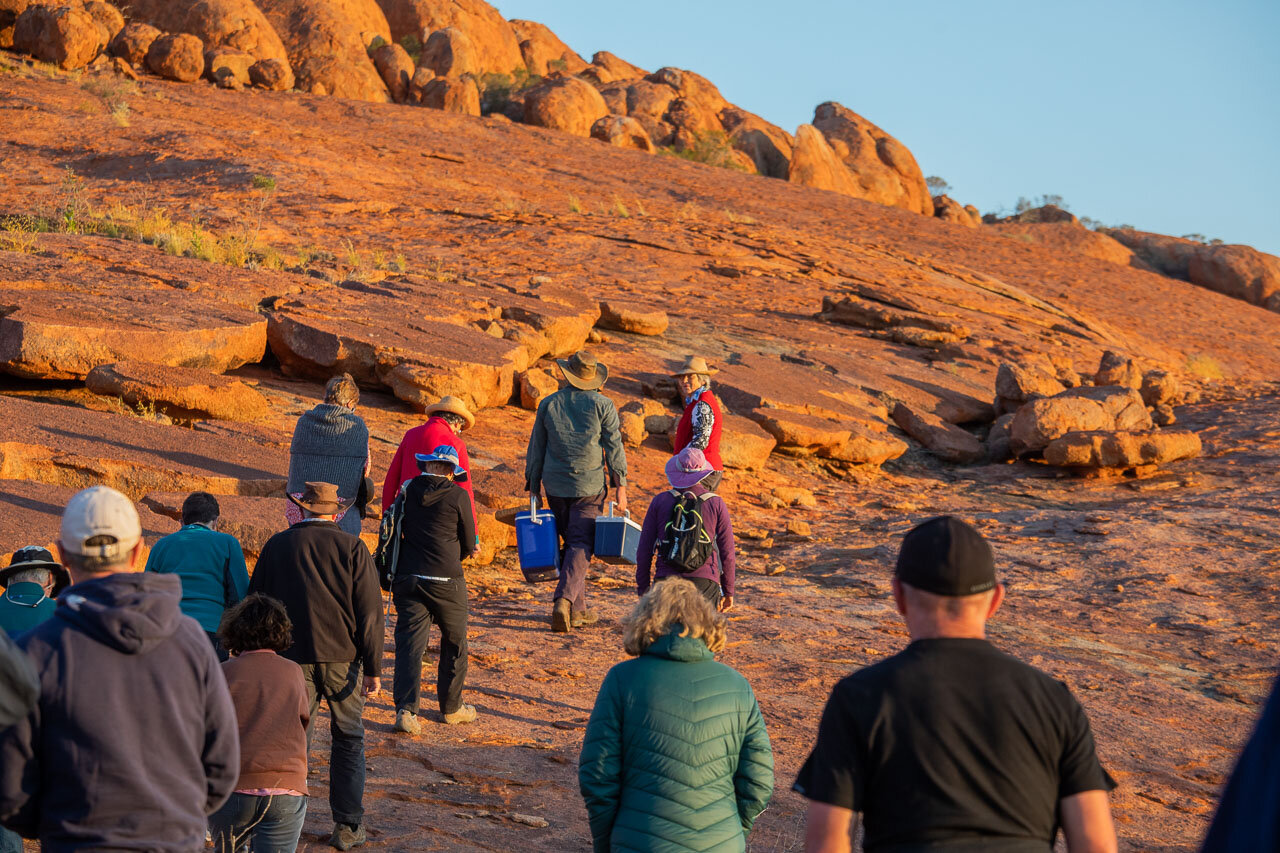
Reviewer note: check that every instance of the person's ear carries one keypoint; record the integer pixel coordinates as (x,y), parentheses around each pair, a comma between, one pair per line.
(899,598)
(997,598)
(135,556)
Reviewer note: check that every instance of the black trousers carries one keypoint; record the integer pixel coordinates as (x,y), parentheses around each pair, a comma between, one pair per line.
(339,685)
(419,602)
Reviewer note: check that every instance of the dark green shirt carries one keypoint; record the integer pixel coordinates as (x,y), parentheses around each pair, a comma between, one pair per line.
(211,566)
(24,606)
(575,436)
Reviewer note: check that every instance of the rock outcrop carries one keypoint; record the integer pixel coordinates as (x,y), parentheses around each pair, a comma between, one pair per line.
(1121,449)
(949,210)
(815,164)
(882,168)
(65,36)
(327,41)
(543,51)
(564,103)
(622,132)
(1072,237)
(271,74)
(946,441)
(496,47)
(396,69)
(1116,369)
(1085,409)
(628,317)
(177,56)
(768,146)
(452,94)
(133,41)
(237,24)
(178,392)
(1239,271)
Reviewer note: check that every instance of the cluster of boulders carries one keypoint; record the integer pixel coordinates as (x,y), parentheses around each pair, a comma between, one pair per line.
(462,56)
(73,34)
(1110,423)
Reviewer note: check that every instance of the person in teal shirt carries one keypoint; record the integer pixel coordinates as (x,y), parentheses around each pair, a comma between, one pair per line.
(210,564)
(31,582)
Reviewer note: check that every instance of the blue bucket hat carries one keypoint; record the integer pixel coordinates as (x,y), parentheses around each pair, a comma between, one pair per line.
(443,453)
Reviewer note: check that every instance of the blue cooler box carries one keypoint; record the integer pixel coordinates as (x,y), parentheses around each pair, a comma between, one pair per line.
(537,544)
(617,538)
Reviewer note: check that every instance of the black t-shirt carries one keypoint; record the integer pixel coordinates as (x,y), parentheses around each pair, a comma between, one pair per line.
(952,740)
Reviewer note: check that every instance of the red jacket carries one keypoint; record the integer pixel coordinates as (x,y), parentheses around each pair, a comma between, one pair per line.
(424,439)
(684,430)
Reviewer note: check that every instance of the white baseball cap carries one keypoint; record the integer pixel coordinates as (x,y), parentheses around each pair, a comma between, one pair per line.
(100,512)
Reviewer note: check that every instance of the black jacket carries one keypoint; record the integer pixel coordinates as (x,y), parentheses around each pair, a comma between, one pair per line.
(439,532)
(326,580)
(134,741)
(19,687)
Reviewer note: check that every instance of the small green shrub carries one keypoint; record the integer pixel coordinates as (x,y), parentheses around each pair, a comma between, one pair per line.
(710,147)
(413,47)
(1205,366)
(264,182)
(575,204)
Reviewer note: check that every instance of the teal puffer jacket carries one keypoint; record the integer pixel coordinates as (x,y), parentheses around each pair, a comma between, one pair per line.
(676,758)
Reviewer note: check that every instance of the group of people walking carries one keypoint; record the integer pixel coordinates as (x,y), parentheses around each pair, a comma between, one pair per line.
(150,710)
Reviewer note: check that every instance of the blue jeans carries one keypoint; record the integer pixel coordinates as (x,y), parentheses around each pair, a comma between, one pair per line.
(261,824)
(10,842)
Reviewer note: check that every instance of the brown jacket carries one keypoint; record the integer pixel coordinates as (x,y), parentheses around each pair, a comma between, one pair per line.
(271,708)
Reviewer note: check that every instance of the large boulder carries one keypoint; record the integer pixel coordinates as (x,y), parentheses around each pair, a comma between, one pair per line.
(535,386)
(497,49)
(744,443)
(815,164)
(237,24)
(327,43)
(64,36)
(949,210)
(1018,383)
(768,145)
(628,317)
(1085,409)
(450,53)
(1168,255)
(543,51)
(177,56)
(622,132)
(1072,237)
(1160,388)
(1238,271)
(178,392)
(452,94)
(107,16)
(396,69)
(223,64)
(802,434)
(133,41)
(1116,369)
(946,441)
(1121,449)
(564,103)
(606,68)
(272,74)
(883,170)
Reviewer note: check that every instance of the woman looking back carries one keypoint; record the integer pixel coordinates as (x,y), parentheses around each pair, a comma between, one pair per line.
(676,757)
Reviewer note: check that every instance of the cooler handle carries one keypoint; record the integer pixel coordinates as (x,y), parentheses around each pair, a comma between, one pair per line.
(533,509)
(612,504)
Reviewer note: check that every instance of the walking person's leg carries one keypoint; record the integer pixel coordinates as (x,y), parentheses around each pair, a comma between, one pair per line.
(448,603)
(346,758)
(313,680)
(576,522)
(281,826)
(413,630)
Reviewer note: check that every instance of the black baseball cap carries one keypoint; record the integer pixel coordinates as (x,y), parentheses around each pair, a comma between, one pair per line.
(946,556)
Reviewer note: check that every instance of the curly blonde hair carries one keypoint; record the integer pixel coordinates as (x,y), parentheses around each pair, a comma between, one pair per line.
(670,602)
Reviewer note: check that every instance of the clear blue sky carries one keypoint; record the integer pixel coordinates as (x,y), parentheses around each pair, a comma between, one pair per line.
(1164,115)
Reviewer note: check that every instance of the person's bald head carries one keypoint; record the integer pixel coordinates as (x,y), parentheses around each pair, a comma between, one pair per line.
(945,583)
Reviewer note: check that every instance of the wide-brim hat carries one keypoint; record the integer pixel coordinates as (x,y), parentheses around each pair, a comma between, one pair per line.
(695,364)
(688,468)
(33,557)
(454,406)
(581,370)
(321,499)
(444,453)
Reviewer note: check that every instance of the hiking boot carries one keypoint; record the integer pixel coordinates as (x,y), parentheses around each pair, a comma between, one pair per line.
(583,617)
(464,714)
(346,836)
(561,620)
(407,722)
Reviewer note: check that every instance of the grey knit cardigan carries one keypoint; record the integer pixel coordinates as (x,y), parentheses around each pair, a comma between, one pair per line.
(330,445)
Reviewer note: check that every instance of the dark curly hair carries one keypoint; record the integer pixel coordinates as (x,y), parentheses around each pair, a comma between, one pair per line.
(257,622)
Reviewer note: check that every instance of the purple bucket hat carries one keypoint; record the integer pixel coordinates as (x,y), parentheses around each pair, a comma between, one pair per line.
(688,468)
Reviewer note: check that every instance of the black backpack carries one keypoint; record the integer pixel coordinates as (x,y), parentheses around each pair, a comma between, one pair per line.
(390,535)
(685,544)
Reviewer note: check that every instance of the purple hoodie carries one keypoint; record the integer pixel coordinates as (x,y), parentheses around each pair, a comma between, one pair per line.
(134,741)
(719,566)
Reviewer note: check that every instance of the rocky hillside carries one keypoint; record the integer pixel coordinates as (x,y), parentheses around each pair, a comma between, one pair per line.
(183,264)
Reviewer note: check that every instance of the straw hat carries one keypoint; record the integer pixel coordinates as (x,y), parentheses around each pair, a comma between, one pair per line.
(321,499)
(454,406)
(582,370)
(695,364)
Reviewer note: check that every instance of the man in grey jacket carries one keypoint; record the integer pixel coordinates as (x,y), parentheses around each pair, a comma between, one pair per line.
(575,438)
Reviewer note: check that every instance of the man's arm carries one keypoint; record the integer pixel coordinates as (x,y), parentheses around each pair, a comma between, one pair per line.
(391,484)
(221,754)
(828,829)
(19,736)
(536,454)
(467,537)
(753,780)
(366,600)
(653,520)
(1086,823)
(615,457)
(19,684)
